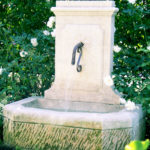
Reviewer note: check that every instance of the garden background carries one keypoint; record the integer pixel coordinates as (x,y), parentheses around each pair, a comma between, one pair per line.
(27,70)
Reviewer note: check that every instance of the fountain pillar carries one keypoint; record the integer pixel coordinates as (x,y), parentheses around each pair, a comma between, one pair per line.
(92,23)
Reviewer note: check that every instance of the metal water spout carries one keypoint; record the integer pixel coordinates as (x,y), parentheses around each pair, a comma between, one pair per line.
(77,48)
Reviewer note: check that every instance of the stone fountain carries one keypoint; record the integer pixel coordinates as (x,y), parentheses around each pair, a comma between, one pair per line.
(79,111)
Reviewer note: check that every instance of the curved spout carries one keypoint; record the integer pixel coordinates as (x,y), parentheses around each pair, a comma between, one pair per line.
(77,47)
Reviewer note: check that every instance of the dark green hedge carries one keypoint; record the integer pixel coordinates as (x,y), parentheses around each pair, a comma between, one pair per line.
(132,63)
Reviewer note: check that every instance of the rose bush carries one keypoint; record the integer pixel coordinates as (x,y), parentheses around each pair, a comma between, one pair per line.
(132,58)
(26,50)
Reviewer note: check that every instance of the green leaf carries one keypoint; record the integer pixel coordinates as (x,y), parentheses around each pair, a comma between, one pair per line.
(148,86)
(138,145)
(143,50)
(146,144)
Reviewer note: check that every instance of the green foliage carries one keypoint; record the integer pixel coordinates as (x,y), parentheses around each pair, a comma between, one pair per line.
(25,15)
(138,145)
(32,74)
(25,70)
(132,63)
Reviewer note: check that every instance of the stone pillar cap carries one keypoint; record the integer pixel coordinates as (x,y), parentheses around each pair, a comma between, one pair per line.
(85,0)
(85,8)
(85,3)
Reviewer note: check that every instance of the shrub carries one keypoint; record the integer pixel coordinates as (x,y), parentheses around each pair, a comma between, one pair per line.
(26,69)
(23,76)
(132,63)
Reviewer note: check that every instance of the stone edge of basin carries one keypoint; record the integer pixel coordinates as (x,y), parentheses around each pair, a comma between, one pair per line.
(114,120)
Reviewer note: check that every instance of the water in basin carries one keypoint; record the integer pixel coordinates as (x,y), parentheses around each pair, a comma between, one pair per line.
(73,106)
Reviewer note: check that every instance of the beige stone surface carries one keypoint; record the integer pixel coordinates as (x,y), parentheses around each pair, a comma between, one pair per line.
(93,24)
(50,137)
(85,3)
(39,128)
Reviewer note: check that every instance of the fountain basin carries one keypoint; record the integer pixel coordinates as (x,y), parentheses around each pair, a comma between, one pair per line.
(48,125)
(73,106)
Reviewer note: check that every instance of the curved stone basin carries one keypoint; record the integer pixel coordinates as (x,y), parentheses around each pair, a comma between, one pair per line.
(37,123)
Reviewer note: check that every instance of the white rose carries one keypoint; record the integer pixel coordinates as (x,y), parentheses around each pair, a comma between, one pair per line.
(108,81)
(122,101)
(34,42)
(10,74)
(130,84)
(52,19)
(23,53)
(113,76)
(1,70)
(130,105)
(148,47)
(117,49)
(132,1)
(51,22)
(45,32)
(17,77)
(53,33)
